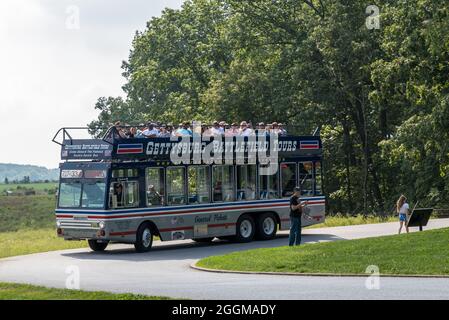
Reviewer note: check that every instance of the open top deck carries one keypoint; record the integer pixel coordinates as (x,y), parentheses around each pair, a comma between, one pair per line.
(193,149)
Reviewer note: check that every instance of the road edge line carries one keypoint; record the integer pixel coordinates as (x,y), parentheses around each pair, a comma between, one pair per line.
(297,274)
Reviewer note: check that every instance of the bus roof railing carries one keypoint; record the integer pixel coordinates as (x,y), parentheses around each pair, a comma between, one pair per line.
(67,137)
(111,133)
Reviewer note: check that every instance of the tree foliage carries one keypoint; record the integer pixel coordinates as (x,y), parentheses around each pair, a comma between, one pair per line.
(380,96)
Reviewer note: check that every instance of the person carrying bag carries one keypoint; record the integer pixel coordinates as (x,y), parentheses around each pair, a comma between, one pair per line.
(296,212)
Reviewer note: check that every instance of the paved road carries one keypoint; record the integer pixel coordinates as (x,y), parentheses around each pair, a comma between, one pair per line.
(165,271)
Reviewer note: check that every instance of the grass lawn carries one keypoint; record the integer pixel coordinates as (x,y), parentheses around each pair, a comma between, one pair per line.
(415,253)
(26,241)
(340,220)
(10,291)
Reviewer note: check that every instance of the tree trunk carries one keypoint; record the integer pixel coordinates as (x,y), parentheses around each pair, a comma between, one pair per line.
(358,117)
(348,150)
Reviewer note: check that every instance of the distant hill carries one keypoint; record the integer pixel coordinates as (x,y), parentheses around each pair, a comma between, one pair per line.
(18,171)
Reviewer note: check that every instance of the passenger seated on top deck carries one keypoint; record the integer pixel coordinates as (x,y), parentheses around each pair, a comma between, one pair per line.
(184,130)
(275,129)
(154,197)
(132,133)
(163,132)
(119,130)
(215,130)
(170,128)
(282,129)
(151,131)
(244,129)
(261,129)
(139,131)
(206,131)
(232,131)
(222,127)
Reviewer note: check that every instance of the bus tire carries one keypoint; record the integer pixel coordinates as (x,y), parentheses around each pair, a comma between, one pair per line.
(144,238)
(97,246)
(266,226)
(245,229)
(203,240)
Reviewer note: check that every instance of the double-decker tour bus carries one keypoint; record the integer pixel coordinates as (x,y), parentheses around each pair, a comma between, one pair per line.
(126,190)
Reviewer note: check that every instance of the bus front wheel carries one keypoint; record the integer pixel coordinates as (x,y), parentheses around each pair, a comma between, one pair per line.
(266,226)
(97,246)
(144,238)
(245,229)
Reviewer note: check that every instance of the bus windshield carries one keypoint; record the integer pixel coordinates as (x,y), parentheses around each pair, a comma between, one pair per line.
(82,194)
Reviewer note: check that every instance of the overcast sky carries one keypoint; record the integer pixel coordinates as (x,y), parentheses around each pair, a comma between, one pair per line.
(57,57)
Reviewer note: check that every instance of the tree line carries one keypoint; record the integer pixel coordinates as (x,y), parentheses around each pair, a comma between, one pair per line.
(380,95)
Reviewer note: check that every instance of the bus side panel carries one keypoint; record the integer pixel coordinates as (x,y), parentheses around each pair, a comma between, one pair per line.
(197,225)
(210,224)
(317,212)
(174,226)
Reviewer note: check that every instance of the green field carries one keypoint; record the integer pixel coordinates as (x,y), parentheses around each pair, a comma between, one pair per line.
(411,254)
(27,225)
(27,212)
(9,291)
(36,186)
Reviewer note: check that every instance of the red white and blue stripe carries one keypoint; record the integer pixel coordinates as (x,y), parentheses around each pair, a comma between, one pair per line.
(309,144)
(185,209)
(130,148)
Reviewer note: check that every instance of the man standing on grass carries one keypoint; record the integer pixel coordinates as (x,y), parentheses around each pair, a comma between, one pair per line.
(296,211)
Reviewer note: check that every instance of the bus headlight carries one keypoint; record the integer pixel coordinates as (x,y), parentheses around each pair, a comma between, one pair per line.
(58,224)
(101,224)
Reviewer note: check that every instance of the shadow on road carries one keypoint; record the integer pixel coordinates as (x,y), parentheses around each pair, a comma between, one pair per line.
(189,250)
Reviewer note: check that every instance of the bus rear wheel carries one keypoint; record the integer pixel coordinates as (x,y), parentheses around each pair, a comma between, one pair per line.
(144,238)
(97,246)
(245,229)
(266,226)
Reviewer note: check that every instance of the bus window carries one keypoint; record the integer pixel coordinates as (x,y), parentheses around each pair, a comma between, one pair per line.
(318,179)
(93,195)
(268,186)
(124,194)
(155,186)
(176,185)
(288,178)
(199,184)
(125,173)
(246,182)
(306,178)
(223,183)
(70,194)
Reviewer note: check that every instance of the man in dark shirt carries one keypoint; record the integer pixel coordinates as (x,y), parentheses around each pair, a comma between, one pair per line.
(296,211)
(118,193)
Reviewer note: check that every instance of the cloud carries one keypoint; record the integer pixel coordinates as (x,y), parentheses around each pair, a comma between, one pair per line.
(51,75)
